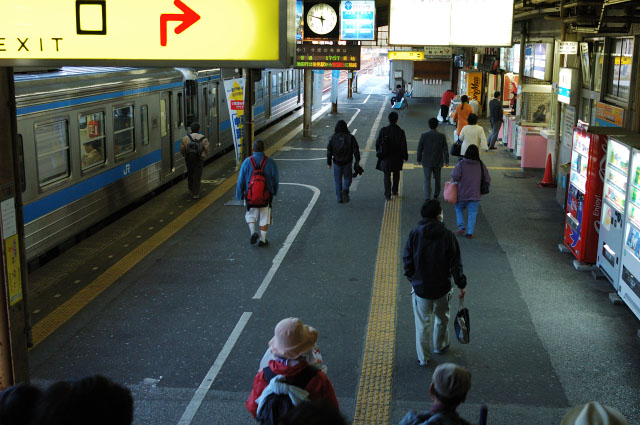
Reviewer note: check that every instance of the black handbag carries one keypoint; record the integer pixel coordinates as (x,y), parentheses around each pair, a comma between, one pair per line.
(455,149)
(484,185)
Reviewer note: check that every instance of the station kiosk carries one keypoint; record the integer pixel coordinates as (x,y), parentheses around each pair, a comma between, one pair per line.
(614,200)
(629,282)
(584,199)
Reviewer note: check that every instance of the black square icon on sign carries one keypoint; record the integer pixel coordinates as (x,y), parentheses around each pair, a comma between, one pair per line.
(91,17)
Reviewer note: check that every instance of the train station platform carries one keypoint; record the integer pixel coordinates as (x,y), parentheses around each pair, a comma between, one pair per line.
(172,301)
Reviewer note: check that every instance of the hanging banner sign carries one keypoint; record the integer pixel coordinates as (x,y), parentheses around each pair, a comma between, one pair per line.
(234,89)
(357,20)
(407,56)
(568,47)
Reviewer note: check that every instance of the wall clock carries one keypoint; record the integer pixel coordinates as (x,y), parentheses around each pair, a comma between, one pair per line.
(322,18)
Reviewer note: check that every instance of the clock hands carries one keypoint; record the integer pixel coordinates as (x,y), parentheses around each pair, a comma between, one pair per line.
(319,17)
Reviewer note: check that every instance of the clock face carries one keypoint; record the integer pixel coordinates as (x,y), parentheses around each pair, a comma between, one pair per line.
(322,18)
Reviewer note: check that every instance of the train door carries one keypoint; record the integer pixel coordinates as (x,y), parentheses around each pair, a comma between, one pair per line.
(166,139)
(212,113)
(267,97)
(299,82)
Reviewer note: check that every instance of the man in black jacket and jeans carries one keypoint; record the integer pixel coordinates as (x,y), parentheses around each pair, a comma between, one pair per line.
(391,150)
(431,257)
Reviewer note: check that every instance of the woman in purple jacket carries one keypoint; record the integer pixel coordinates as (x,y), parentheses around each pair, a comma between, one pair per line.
(468,175)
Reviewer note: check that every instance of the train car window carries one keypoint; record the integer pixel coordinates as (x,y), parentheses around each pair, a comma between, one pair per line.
(163,117)
(214,104)
(123,130)
(190,102)
(274,84)
(205,102)
(23,181)
(91,130)
(180,114)
(52,150)
(144,124)
(281,82)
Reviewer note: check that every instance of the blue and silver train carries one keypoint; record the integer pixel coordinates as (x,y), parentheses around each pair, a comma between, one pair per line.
(94,140)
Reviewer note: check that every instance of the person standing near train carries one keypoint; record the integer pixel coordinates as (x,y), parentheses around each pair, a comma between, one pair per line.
(194,148)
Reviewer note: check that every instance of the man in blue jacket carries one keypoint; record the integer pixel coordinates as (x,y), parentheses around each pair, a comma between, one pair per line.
(259,215)
(431,257)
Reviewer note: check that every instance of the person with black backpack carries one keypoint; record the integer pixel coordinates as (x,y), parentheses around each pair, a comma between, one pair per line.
(342,148)
(289,380)
(257,185)
(391,150)
(194,148)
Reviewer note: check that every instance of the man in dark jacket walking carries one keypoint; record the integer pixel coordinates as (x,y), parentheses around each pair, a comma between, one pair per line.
(342,148)
(431,257)
(391,150)
(495,118)
(433,151)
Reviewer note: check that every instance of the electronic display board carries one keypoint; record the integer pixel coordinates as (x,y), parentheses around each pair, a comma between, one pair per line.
(357,20)
(319,56)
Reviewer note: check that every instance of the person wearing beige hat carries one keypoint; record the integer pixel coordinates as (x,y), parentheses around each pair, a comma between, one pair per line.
(594,413)
(291,343)
(449,387)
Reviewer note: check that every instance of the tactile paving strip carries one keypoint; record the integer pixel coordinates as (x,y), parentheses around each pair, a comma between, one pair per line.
(374,390)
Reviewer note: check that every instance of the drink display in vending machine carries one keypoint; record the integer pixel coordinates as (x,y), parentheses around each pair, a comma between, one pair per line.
(629,285)
(614,196)
(584,198)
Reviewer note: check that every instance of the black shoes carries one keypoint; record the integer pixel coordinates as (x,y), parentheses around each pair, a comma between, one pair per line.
(263,244)
(254,238)
(345,196)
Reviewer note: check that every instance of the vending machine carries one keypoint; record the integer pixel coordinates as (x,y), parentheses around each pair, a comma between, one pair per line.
(614,200)
(629,281)
(584,198)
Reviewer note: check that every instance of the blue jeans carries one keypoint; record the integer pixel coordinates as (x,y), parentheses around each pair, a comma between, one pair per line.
(495,131)
(473,212)
(340,171)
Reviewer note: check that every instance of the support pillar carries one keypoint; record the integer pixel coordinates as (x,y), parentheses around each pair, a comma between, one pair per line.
(14,330)
(248,128)
(556,150)
(308,100)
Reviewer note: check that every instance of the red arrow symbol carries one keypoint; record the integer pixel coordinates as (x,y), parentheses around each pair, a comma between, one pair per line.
(188,18)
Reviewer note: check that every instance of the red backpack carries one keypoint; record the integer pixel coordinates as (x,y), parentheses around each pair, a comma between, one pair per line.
(258,195)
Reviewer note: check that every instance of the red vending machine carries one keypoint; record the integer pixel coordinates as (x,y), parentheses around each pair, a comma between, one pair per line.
(584,198)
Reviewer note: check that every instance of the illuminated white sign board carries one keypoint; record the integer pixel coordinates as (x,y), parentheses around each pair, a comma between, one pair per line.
(451,22)
(567,84)
(357,20)
(147,32)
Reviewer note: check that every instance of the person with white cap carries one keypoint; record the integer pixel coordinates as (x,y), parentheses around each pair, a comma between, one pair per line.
(449,387)
(594,413)
(290,345)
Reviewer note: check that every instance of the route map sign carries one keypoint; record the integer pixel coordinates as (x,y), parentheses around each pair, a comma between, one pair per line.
(319,56)
(147,32)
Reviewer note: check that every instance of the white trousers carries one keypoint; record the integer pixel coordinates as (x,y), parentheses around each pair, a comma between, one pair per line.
(422,310)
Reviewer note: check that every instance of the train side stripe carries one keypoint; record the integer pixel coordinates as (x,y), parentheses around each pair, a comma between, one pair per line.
(68,195)
(87,99)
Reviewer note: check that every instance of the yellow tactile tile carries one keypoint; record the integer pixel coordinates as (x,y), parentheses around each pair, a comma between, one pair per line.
(373,401)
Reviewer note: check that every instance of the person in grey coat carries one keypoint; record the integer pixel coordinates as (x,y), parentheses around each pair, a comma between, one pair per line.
(433,152)
(391,150)
(495,118)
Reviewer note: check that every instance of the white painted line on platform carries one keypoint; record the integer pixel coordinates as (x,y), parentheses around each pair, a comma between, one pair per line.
(369,145)
(300,159)
(289,241)
(201,392)
(355,130)
(354,116)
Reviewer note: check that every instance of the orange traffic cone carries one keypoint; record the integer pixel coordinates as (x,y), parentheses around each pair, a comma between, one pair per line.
(547,180)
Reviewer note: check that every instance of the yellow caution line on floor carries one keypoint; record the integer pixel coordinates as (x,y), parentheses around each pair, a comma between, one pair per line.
(373,401)
(60,315)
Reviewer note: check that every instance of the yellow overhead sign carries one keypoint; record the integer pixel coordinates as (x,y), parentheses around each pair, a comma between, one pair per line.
(408,56)
(251,32)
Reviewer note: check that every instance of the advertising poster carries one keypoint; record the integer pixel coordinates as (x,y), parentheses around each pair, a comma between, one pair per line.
(14,278)
(235,101)
(357,20)
(608,115)
(299,20)
(474,89)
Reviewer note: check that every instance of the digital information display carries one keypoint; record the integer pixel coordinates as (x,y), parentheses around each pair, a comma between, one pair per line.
(357,20)
(145,32)
(318,56)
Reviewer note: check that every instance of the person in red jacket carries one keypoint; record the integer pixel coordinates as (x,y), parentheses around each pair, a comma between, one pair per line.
(290,344)
(445,102)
